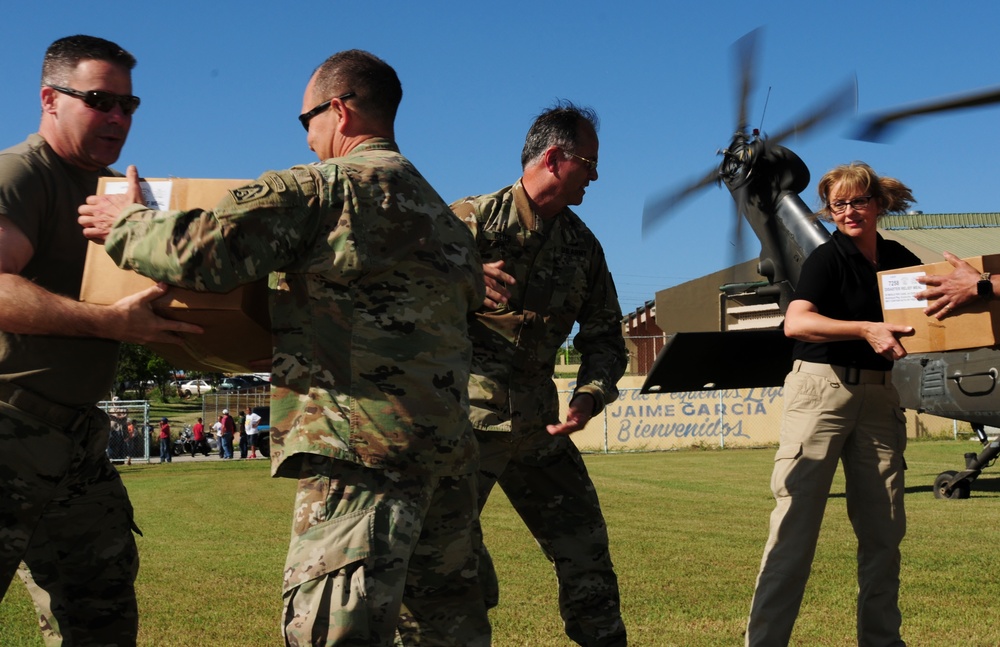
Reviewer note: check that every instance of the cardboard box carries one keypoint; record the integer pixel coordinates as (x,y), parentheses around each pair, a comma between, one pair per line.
(237,325)
(975,325)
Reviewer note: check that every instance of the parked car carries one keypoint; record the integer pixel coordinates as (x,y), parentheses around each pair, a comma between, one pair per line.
(194,387)
(264,430)
(234,384)
(255,381)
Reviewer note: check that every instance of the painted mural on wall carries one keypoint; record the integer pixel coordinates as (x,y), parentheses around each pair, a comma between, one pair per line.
(736,418)
(644,422)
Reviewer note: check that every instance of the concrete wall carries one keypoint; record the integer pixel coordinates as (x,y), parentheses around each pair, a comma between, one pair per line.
(736,418)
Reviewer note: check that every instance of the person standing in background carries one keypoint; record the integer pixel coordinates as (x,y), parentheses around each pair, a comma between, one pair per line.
(251,421)
(198,441)
(241,423)
(217,430)
(164,437)
(228,431)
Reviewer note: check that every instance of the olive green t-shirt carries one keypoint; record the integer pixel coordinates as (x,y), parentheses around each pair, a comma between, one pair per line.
(40,194)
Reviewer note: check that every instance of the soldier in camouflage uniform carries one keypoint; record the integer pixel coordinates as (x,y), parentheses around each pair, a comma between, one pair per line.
(545,271)
(64,514)
(373,281)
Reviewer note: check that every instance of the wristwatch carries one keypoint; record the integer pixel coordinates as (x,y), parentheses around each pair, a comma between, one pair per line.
(984,288)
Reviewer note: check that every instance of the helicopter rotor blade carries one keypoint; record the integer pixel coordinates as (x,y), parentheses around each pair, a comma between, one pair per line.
(875,129)
(745,52)
(657,209)
(841,101)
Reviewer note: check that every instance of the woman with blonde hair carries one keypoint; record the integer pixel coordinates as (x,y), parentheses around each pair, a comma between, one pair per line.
(840,406)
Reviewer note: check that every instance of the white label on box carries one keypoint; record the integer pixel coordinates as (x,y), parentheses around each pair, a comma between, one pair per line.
(155,194)
(899,290)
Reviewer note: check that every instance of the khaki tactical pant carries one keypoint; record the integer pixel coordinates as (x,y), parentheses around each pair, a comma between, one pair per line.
(66,518)
(376,551)
(829,420)
(547,483)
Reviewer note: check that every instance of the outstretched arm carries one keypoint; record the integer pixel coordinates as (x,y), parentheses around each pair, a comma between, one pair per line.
(803,321)
(946,293)
(27,308)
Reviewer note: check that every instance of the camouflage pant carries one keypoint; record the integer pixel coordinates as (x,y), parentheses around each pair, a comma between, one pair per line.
(374,551)
(547,483)
(65,516)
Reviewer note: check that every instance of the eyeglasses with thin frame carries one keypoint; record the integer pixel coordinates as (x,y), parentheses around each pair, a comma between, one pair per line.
(306,117)
(102,101)
(589,163)
(840,206)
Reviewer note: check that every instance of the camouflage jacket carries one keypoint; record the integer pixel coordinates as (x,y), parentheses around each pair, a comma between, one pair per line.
(562,279)
(372,283)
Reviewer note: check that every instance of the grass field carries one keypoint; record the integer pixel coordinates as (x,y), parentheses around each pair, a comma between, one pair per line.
(687,531)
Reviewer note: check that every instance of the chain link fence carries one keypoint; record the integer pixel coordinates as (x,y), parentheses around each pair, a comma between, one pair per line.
(131,431)
(212,404)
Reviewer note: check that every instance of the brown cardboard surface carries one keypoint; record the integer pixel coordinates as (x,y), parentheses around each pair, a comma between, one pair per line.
(973,326)
(237,324)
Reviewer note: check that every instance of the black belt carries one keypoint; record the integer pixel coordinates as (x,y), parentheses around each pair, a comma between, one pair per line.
(31,403)
(846,374)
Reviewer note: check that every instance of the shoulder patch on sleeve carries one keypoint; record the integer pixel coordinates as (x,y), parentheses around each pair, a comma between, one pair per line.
(250,192)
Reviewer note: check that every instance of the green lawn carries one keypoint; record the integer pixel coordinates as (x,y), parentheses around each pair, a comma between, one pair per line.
(687,530)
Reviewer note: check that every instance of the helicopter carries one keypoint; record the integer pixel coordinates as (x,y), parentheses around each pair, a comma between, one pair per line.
(764,179)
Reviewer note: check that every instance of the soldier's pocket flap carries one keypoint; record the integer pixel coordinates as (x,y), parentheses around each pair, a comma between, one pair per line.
(329,547)
(788,452)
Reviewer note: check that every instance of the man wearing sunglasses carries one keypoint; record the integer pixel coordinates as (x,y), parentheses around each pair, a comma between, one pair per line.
(545,272)
(63,509)
(373,281)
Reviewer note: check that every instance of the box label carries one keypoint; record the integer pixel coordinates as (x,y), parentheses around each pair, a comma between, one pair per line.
(155,194)
(899,291)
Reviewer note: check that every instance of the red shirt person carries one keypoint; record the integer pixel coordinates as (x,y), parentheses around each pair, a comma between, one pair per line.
(165,453)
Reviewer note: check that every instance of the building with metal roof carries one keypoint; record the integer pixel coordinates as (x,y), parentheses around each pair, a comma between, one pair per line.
(928,235)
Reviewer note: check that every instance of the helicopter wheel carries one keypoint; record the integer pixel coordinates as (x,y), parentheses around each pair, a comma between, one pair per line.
(959,490)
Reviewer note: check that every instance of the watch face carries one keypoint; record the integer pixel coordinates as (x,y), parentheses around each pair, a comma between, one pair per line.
(985,288)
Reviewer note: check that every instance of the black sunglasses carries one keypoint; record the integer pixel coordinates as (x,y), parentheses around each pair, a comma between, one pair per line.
(306,117)
(101,100)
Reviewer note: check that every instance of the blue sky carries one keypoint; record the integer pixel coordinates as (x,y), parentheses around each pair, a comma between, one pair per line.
(221,85)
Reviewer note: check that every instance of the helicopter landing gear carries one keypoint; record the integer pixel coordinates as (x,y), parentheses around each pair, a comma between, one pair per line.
(958,485)
(946,486)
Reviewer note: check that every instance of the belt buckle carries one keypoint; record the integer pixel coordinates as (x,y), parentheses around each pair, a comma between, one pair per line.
(852,375)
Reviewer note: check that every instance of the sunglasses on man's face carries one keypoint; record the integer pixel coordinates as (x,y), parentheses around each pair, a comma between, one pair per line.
(102,101)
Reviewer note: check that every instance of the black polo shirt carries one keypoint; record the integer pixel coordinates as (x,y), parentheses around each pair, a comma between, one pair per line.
(842,284)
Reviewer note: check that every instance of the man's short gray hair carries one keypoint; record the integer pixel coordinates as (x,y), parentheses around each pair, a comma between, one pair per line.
(557,126)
